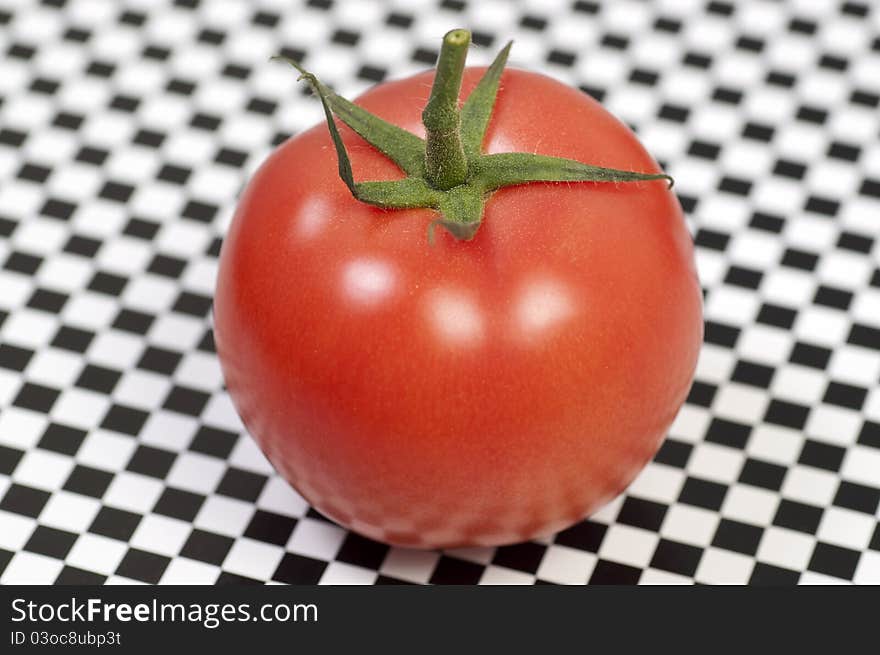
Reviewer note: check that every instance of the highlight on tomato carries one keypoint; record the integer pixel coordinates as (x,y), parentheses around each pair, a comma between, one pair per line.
(466,314)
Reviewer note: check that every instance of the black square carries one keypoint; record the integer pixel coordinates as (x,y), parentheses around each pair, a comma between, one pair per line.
(793,258)
(159,360)
(193,304)
(701,394)
(116,191)
(180,87)
(388,580)
(149,138)
(361,551)
(129,320)
(50,542)
(738,537)
(855,242)
(751,373)
(83,246)
(47,301)
(270,527)
(586,535)
(721,334)
(151,461)
(141,229)
(207,547)
(205,122)
(214,37)
(798,516)
(127,420)
(641,513)
(106,283)
(791,169)
(174,174)
(777,316)
(100,69)
(88,481)
(845,151)
(231,157)
(98,378)
(526,556)
(62,439)
(70,575)
(869,435)
(743,277)
(767,222)
(845,395)
(67,121)
(875,540)
(265,18)
(36,397)
(870,188)
(773,576)
(34,173)
(12,138)
(758,132)
(834,560)
(526,22)
(831,297)
(787,414)
(5,558)
(824,206)
(650,78)
(60,209)
(14,358)
(167,266)
(857,497)
(186,401)
(728,433)
(179,504)
(124,103)
(24,500)
(807,354)
(676,557)
(452,571)
(675,113)
(822,455)
(241,484)
(762,474)
(612,573)
(727,95)
(20,262)
(704,150)
(143,566)
(674,453)
(9,459)
(115,523)
(703,493)
(228,579)
(262,106)
(298,569)
(200,211)
(863,335)
(213,441)
(864,98)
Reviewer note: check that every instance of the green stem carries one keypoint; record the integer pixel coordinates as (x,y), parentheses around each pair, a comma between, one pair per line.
(445,161)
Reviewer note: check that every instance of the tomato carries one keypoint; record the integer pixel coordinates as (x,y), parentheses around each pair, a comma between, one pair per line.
(475,392)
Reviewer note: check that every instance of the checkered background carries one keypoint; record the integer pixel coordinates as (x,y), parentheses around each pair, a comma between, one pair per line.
(128,128)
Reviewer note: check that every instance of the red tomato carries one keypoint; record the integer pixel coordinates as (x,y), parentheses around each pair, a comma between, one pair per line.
(471,392)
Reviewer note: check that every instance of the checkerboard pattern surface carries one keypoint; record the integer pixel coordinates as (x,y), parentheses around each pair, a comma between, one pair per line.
(127,130)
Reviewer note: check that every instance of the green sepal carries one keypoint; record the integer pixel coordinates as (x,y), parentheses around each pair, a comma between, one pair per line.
(402,147)
(510,168)
(477,109)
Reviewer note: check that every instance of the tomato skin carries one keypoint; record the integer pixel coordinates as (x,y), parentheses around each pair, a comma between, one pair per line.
(465,393)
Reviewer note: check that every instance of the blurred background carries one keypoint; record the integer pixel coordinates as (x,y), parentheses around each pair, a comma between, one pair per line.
(127,129)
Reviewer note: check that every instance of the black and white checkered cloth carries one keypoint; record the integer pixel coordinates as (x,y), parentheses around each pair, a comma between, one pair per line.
(127,130)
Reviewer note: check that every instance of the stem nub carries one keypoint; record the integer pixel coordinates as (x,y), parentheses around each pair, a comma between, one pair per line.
(445,161)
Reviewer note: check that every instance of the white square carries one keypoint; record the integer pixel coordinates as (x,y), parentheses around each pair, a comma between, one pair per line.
(785,548)
(628,545)
(810,485)
(176,332)
(90,311)
(317,539)
(658,482)
(17,529)
(750,504)
(834,425)
(253,559)
(690,424)
(340,573)
(149,293)
(847,528)
(80,408)
(196,472)
(54,368)
(142,389)
(43,469)
(69,511)
(160,534)
(189,572)
(106,450)
(775,444)
(21,428)
(168,430)
(657,577)
(498,575)
(868,569)
(798,384)
(220,412)
(200,371)
(564,565)
(29,328)
(722,567)
(225,516)
(690,525)
(31,569)
(115,349)
(279,497)
(738,402)
(93,552)
(409,564)
(247,455)
(715,462)
(133,492)
(862,464)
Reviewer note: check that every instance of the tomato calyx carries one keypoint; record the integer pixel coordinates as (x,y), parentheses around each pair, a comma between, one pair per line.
(447,171)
